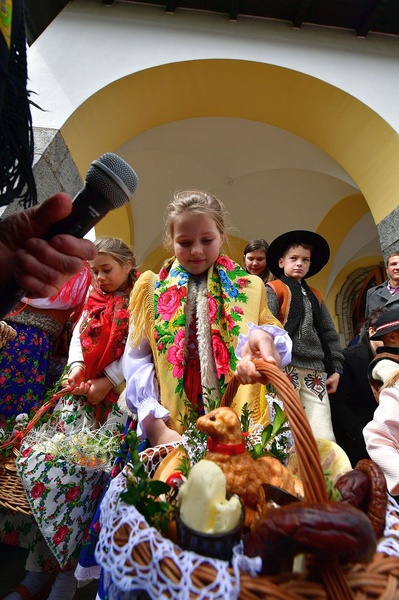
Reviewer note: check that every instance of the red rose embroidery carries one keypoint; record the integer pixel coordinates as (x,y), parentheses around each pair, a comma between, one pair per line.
(122,313)
(163,274)
(221,354)
(11,538)
(37,490)
(213,309)
(95,493)
(72,494)
(169,301)
(175,354)
(242,282)
(226,262)
(60,535)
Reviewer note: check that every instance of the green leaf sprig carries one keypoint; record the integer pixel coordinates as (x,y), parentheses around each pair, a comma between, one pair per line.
(143,492)
(273,443)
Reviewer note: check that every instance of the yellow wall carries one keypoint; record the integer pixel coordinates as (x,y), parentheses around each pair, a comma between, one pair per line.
(350,132)
(339,124)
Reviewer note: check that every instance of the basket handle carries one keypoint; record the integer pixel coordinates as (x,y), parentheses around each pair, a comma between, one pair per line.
(16,438)
(310,470)
(305,444)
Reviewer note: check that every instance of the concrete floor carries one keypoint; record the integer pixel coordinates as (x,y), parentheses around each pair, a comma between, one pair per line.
(12,571)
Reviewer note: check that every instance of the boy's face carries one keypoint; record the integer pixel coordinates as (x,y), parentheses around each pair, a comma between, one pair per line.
(295,262)
(391,339)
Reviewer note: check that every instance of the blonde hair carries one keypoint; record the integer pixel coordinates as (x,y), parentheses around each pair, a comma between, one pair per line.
(196,202)
(117,249)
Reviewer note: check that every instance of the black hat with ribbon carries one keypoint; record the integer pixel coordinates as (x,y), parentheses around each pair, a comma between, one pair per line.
(388,321)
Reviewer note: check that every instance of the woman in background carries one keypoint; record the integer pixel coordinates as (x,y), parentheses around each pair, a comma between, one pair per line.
(33,361)
(255,259)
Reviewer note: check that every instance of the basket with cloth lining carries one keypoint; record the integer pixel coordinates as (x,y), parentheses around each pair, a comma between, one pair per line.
(136,557)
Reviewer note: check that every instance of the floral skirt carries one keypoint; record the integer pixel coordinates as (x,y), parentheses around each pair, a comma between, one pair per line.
(24,371)
(21,530)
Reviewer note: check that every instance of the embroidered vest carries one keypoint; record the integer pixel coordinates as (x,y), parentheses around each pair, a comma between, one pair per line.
(284,295)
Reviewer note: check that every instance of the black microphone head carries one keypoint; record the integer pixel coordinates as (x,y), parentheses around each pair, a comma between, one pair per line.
(113,178)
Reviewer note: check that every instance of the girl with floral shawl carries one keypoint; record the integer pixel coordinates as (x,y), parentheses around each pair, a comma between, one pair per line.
(188,322)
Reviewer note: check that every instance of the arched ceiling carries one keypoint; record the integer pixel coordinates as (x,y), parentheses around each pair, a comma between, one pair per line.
(284,151)
(270,180)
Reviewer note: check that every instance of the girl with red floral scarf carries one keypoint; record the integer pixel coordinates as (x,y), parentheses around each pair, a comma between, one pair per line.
(95,372)
(95,356)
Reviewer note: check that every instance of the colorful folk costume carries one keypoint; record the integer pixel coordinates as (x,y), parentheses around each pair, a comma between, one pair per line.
(316,348)
(98,343)
(184,333)
(29,364)
(381,434)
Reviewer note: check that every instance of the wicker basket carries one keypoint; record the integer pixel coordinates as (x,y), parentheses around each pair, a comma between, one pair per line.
(12,492)
(378,579)
(7,333)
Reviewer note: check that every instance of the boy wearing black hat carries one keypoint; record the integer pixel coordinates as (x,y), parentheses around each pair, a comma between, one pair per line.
(382,433)
(384,368)
(292,257)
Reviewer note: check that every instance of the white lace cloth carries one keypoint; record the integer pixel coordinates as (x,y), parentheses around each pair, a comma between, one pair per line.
(389,544)
(123,575)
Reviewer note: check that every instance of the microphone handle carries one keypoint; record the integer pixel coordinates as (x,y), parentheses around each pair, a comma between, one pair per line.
(88,208)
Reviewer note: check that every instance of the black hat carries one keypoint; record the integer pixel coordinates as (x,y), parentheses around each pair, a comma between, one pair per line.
(320,252)
(388,321)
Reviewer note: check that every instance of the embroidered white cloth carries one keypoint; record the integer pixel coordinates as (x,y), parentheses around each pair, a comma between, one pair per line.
(389,544)
(123,574)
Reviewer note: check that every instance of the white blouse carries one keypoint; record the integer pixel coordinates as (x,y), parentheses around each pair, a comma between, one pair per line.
(142,390)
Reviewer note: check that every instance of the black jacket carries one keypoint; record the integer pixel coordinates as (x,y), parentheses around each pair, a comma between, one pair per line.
(353,404)
(380,296)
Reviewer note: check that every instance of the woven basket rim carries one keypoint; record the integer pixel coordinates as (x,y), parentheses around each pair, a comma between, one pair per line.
(371,580)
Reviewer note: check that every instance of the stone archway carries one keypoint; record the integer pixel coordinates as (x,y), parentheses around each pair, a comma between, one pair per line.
(350,301)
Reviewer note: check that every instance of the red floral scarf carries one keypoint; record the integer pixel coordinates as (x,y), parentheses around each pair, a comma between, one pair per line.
(103,334)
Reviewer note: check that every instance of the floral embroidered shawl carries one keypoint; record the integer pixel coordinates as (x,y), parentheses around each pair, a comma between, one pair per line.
(103,333)
(159,313)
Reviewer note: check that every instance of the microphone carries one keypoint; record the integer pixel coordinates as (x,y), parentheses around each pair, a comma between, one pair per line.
(110,183)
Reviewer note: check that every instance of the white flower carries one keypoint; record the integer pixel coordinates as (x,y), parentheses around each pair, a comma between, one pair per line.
(22,417)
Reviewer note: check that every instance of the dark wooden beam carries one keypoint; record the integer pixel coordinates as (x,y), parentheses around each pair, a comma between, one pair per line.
(233,10)
(364,25)
(301,13)
(170,6)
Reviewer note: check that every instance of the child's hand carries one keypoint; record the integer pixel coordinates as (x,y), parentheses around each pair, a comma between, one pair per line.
(98,389)
(76,376)
(259,345)
(158,432)
(332,383)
